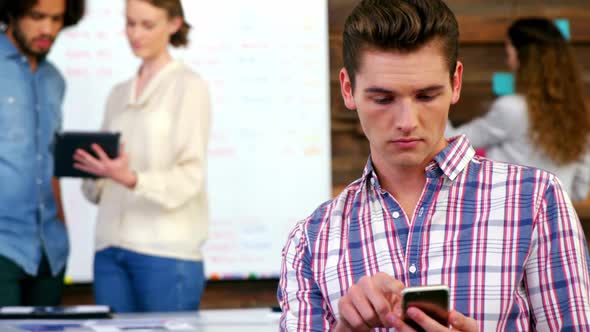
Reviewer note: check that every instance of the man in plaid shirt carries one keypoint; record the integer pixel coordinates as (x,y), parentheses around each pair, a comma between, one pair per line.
(505,239)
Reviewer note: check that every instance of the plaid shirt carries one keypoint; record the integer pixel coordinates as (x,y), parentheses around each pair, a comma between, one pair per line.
(504,238)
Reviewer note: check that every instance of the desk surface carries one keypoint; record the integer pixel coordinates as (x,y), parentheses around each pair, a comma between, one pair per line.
(247,320)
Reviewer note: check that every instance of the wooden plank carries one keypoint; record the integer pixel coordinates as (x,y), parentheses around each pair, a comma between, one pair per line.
(487,21)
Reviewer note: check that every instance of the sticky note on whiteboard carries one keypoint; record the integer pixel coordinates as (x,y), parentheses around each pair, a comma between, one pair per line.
(503,83)
(563,25)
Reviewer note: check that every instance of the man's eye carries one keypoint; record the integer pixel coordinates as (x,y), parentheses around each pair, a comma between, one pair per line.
(426,97)
(36,16)
(383,100)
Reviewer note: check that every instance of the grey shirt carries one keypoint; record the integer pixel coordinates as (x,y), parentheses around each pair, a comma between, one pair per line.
(503,132)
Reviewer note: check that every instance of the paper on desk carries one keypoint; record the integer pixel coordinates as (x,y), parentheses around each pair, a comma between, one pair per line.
(139,324)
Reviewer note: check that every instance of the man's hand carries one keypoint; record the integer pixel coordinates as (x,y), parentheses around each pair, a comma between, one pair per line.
(116,169)
(458,322)
(373,302)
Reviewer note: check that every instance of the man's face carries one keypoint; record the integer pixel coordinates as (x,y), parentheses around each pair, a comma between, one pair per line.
(403,101)
(35,32)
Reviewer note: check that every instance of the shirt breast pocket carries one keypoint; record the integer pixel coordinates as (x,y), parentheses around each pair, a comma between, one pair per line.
(13,119)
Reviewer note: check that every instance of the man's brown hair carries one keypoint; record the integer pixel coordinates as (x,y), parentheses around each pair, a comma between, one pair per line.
(400,25)
(15,9)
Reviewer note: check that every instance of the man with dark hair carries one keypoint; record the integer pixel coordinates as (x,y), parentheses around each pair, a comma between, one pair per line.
(33,237)
(505,239)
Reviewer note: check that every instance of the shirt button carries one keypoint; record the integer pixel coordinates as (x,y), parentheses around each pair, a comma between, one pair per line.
(39,157)
(23,59)
(10,100)
(395,215)
(38,107)
(413,268)
(373,182)
(41,206)
(39,181)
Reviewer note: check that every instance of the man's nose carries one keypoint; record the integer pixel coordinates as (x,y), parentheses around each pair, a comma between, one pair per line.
(47,27)
(50,27)
(407,119)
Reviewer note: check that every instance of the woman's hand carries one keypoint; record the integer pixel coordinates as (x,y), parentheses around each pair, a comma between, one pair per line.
(115,169)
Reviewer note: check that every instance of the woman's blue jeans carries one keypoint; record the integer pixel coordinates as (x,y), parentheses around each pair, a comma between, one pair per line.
(131,282)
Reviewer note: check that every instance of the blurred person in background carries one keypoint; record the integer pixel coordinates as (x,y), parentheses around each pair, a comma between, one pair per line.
(33,238)
(546,123)
(152,198)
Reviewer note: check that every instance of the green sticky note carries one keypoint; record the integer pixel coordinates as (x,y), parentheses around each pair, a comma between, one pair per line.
(503,83)
(563,25)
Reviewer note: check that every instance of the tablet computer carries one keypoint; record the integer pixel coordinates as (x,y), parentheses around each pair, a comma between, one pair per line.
(66,144)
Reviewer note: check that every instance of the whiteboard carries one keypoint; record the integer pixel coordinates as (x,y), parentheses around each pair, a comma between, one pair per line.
(266,62)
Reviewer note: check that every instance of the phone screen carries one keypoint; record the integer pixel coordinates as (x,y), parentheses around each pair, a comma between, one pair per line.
(432,300)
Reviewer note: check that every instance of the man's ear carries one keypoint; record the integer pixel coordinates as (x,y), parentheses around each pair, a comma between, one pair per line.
(346,89)
(457,82)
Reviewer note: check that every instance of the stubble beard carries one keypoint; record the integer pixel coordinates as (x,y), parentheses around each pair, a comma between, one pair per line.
(24,46)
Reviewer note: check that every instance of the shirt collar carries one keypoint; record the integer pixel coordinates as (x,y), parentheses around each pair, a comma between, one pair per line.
(451,161)
(7,49)
(151,86)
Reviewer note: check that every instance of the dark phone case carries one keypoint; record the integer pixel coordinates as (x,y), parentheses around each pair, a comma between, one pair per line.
(435,303)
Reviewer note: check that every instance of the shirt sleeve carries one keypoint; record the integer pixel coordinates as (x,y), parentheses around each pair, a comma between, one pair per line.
(506,117)
(556,272)
(303,306)
(173,187)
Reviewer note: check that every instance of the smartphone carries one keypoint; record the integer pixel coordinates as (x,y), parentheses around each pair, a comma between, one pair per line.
(432,300)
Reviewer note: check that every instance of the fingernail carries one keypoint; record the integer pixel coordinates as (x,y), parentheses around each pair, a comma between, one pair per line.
(391,318)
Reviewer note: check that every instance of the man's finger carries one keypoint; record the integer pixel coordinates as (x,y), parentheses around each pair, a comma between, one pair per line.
(425,321)
(461,323)
(388,284)
(350,316)
(378,302)
(362,301)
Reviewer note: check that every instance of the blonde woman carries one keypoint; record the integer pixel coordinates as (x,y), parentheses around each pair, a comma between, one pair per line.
(152,216)
(546,123)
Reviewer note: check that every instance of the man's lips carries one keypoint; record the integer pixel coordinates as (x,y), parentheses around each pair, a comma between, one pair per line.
(43,43)
(406,143)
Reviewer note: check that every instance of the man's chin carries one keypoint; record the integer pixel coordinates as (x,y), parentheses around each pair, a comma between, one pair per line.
(407,162)
(39,54)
